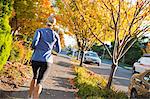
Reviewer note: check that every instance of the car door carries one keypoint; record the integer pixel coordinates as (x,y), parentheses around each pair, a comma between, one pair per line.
(86,57)
(141,84)
(145,85)
(139,65)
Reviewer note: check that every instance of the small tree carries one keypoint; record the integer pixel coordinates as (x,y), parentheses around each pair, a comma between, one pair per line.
(71,19)
(5,31)
(128,22)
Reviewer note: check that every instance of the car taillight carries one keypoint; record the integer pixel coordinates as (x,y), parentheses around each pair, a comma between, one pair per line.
(142,64)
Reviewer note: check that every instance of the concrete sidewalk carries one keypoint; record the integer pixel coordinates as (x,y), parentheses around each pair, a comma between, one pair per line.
(56,86)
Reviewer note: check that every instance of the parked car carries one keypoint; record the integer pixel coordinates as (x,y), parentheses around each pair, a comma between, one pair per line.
(92,57)
(141,65)
(139,86)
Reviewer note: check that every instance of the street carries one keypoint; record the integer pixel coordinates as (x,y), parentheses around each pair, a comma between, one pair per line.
(122,76)
(121,79)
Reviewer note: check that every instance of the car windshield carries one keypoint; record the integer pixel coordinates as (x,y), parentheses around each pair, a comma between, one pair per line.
(92,54)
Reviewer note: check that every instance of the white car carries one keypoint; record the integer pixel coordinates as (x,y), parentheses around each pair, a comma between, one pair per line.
(92,57)
(141,65)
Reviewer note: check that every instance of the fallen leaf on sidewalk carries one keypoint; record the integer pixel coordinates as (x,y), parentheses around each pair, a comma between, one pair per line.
(48,93)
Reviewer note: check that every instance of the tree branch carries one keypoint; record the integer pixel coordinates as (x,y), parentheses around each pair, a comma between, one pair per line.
(103,45)
(127,49)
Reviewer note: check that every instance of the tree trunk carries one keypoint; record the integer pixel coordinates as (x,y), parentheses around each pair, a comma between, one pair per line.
(113,69)
(78,56)
(103,54)
(73,53)
(82,58)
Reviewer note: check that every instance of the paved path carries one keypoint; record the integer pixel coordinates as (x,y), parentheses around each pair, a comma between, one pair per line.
(56,86)
(121,79)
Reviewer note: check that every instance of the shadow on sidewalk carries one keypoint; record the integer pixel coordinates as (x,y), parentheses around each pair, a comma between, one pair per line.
(13,94)
(62,63)
(46,94)
(62,82)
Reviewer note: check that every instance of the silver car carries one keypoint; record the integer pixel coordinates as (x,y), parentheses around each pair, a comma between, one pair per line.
(92,57)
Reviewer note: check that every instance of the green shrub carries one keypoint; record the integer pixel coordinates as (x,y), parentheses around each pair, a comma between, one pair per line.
(16,52)
(5,31)
(27,58)
(108,94)
(92,86)
(133,54)
(95,97)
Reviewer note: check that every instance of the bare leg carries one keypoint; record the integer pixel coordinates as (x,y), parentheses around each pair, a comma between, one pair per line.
(37,91)
(32,86)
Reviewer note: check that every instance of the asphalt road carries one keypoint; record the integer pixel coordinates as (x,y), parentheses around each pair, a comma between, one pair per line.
(121,79)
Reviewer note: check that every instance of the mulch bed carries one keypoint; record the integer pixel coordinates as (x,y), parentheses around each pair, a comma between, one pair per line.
(13,75)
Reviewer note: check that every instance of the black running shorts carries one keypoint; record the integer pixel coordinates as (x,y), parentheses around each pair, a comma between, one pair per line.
(40,70)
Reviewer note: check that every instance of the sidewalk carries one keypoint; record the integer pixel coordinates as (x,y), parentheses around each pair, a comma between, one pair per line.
(56,86)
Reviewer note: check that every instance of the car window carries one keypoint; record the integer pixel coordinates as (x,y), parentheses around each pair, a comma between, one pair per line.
(147,77)
(144,60)
(93,55)
(87,54)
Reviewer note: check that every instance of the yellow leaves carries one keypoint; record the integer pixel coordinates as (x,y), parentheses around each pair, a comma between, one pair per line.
(62,39)
(91,1)
(140,3)
(35,16)
(104,18)
(13,13)
(85,76)
(46,3)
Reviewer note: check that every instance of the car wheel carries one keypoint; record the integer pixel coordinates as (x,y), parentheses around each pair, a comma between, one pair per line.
(133,70)
(98,64)
(134,94)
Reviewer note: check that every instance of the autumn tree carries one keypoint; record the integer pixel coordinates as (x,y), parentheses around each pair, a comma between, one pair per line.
(5,31)
(28,15)
(70,18)
(121,21)
(126,22)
